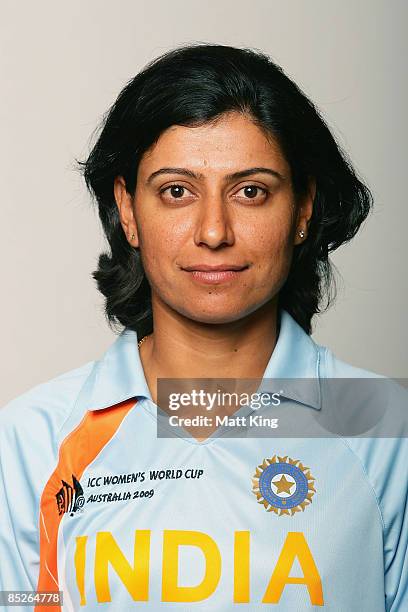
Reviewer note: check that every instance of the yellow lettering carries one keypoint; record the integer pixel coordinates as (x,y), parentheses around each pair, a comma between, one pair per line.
(79,560)
(295,546)
(172,540)
(241,567)
(135,579)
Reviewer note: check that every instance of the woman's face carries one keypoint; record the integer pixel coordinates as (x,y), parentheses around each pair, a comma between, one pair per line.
(215,195)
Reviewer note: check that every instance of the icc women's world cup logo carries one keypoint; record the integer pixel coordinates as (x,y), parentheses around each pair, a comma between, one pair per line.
(70,498)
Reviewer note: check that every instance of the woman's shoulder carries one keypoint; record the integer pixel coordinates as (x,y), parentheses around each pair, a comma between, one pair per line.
(363,397)
(30,425)
(46,405)
(334,367)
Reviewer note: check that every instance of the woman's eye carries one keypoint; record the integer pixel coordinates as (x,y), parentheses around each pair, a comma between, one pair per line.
(252,191)
(174,191)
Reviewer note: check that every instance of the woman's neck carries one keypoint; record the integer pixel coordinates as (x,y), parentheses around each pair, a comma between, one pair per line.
(182,348)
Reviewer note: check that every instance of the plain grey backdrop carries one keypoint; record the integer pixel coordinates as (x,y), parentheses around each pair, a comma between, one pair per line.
(62,66)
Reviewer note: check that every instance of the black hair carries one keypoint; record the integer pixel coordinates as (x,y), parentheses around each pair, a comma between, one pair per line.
(194,84)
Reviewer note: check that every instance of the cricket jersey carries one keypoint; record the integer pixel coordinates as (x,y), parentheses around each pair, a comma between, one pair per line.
(93,503)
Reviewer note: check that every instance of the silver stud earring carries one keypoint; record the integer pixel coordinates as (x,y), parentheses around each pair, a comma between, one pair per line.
(301,233)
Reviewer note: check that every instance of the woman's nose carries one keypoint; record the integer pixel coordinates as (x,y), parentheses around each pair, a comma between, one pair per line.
(214,223)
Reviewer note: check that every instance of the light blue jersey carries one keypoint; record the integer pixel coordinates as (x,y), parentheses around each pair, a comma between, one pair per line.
(95,505)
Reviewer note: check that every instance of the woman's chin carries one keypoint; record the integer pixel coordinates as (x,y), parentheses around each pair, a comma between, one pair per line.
(216,316)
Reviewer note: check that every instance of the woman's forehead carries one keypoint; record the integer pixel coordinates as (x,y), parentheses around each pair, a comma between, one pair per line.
(233,140)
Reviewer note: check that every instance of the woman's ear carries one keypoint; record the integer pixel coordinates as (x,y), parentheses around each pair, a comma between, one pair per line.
(126,212)
(305,210)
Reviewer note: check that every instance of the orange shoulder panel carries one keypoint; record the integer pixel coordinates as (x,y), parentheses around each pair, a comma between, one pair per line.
(77,451)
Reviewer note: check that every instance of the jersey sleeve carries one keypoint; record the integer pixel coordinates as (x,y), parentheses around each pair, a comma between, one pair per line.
(385,462)
(393,498)
(18,531)
(396,548)
(15,573)
(29,427)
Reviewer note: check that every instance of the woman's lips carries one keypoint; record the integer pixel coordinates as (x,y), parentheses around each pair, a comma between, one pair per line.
(211,277)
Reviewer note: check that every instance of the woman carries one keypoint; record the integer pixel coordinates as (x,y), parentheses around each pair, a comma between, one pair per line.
(221,192)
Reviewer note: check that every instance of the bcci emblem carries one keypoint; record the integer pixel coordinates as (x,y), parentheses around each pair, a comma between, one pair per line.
(283,485)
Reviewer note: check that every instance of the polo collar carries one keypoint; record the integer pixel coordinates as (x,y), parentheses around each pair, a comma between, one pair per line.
(119,374)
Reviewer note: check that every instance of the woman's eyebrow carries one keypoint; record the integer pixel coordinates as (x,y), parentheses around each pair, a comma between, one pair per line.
(228,177)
